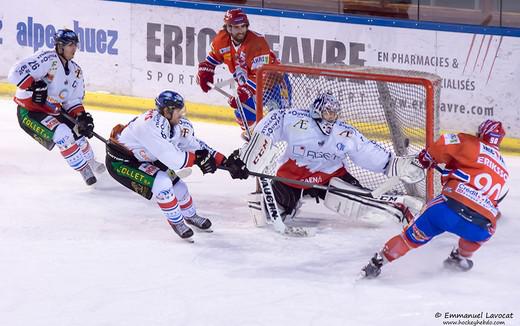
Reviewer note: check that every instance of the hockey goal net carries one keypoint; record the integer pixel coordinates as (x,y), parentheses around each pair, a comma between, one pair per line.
(396,108)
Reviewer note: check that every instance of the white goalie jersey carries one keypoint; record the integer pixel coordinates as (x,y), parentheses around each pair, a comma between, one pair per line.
(150,137)
(311,155)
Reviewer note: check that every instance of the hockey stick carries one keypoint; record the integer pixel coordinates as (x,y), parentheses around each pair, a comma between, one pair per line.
(376,193)
(71,119)
(226,94)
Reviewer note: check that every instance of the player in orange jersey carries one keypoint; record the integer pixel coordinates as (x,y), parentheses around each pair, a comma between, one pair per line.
(474,182)
(243,51)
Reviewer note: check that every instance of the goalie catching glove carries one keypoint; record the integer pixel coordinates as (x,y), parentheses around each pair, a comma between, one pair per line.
(405,169)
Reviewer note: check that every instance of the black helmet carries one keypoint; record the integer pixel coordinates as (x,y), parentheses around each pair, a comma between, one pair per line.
(170,100)
(65,37)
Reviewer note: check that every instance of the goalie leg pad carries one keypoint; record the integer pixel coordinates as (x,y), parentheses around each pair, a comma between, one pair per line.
(257,211)
(357,207)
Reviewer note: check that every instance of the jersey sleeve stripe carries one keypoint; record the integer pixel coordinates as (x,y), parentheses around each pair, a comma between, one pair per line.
(26,82)
(251,84)
(212,60)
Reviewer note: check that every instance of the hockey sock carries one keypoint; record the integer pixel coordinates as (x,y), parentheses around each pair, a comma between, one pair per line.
(187,207)
(397,246)
(168,203)
(73,155)
(86,149)
(467,248)
(185,201)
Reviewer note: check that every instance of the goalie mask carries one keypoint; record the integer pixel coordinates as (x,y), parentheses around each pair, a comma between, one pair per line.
(325,111)
(169,100)
(491,132)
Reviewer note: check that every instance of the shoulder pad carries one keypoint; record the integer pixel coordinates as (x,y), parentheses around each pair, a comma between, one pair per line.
(344,129)
(300,113)
(49,54)
(451,139)
(258,35)
(185,123)
(161,123)
(221,38)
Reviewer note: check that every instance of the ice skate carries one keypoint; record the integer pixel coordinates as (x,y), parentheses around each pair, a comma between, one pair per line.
(373,268)
(456,262)
(182,230)
(88,175)
(199,222)
(96,166)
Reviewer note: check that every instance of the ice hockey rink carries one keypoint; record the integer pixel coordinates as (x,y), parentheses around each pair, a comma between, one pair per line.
(74,255)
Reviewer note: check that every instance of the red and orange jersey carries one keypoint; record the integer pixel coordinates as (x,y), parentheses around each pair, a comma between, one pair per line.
(475,172)
(244,60)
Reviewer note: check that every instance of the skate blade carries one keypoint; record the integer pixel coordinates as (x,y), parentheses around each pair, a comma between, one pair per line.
(299,232)
(208,230)
(188,240)
(100,169)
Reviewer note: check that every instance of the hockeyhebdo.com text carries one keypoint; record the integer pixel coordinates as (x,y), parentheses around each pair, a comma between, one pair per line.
(481,318)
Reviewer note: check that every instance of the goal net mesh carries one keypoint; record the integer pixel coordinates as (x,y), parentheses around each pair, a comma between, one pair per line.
(396,108)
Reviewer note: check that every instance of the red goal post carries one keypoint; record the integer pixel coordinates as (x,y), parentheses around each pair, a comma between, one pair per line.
(397,108)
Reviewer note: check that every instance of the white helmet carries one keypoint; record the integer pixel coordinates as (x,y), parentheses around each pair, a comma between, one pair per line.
(325,110)
(325,103)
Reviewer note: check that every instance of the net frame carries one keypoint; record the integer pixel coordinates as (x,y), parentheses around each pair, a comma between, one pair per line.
(429,82)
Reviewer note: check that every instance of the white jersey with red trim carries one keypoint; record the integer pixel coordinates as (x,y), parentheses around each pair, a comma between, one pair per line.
(65,84)
(150,137)
(311,152)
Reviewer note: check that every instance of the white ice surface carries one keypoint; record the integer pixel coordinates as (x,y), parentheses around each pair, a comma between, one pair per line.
(74,255)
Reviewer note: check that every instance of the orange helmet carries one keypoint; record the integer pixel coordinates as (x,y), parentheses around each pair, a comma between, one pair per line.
(235,17)
(491,132)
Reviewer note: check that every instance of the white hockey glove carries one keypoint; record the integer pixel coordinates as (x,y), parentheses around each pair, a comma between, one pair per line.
(405,169)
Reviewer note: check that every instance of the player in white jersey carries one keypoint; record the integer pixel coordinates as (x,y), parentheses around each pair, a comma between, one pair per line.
(144,154)
(49,82)
(316,152)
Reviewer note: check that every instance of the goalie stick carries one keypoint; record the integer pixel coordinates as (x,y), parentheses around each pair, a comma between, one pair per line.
(376,193)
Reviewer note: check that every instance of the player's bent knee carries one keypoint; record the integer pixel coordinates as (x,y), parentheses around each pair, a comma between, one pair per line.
(161,183)
(181,190)
(415,237)
(63,135)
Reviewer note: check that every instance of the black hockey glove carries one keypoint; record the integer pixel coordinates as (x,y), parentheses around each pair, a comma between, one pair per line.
(237,169)
(85,124)
(205,161)
(39,89)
